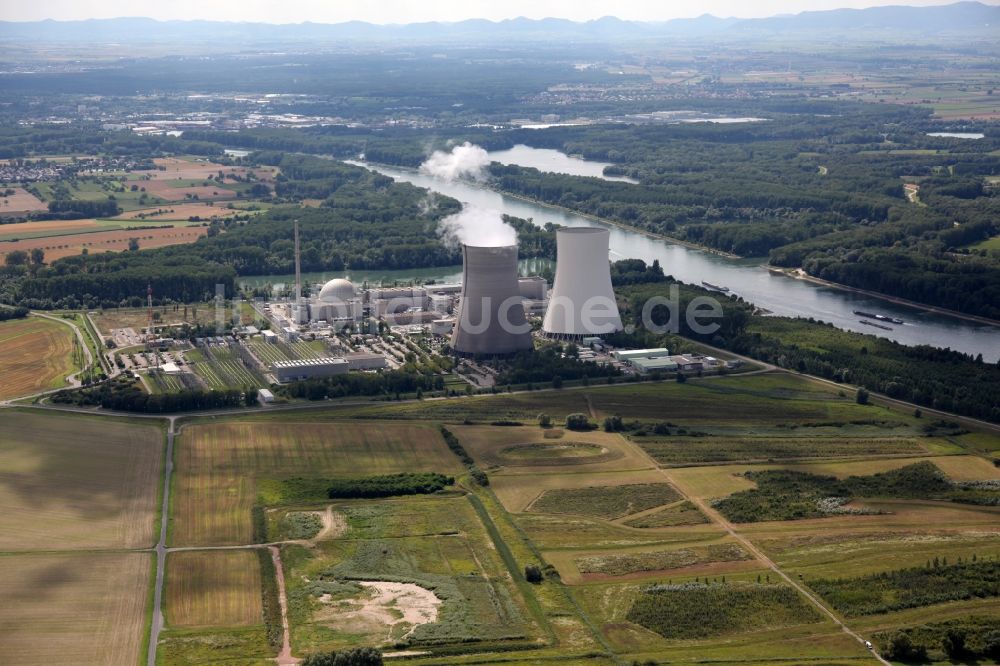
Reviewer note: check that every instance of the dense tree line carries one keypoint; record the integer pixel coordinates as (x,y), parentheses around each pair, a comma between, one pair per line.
(549,364)
(391,383)
(388,485)
(970,638)
(364,656)
(128,397)
(68,209)
(939,378)
(19,312)
(914,587)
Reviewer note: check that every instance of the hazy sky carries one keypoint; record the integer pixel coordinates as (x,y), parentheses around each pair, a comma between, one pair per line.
(409,11)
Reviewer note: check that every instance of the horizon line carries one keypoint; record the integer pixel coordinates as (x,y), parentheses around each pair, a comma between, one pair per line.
(985,3)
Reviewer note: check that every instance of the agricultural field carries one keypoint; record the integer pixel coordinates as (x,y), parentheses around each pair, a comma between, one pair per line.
(199,169)
(56,228)
(71,481)
(531,449)
(213,589)
(674,515)
(80,608)
(672,451)
(220,467)
(68,245)
(182,212)
(625,529)
(36,354)
(20,202)
(607,502)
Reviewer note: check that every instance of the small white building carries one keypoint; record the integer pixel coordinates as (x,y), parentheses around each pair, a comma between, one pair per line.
(265,397)
(626,355)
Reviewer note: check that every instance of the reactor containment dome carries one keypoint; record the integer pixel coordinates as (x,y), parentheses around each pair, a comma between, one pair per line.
(491,320)
(337,290)
(582,302)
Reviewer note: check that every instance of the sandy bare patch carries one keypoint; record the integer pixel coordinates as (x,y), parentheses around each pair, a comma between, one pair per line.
(393,608)
(334,524)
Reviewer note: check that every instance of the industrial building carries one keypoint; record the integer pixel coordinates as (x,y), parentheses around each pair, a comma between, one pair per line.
(491,319)
(626,355)
(644,366)
(364,361)
(582,302)
(287,371)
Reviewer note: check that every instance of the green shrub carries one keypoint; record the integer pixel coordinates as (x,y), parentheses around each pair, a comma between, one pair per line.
(387,485)
(577,422)
(700,610)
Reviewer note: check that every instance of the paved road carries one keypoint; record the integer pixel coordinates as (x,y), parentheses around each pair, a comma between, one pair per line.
(161,550)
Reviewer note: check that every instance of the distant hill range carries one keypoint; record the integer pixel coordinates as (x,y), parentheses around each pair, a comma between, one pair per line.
(970,18)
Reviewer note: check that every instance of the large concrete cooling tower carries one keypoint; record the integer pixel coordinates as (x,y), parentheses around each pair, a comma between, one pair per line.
(582,302)
(492,316)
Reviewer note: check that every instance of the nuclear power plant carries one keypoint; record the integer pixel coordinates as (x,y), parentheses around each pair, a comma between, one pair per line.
(582,302)
(491,319)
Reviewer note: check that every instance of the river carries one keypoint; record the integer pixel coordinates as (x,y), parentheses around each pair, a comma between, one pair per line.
(747,278)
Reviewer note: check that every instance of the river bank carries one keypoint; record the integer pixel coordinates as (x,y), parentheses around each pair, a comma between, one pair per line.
(799,274)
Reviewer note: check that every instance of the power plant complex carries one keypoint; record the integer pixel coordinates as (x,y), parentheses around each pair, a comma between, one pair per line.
(486,315)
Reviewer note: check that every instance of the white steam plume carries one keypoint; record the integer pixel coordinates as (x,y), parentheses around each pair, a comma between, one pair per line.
(464,161)
(476,226)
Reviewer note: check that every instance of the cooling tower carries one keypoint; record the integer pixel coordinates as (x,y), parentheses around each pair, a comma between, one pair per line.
(582,302)
(492,316)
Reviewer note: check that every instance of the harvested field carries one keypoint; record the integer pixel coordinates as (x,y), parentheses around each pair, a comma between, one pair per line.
(181,211)
(179,191)
(605,501)
(20,202)
(564,533)
(86,608)
(35,355)
(689,450)
(105,241)
(42,229)
(596,566)
(213,589)
(194,169)
(52,228)
(517,491)
(70,481)
(218,466)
